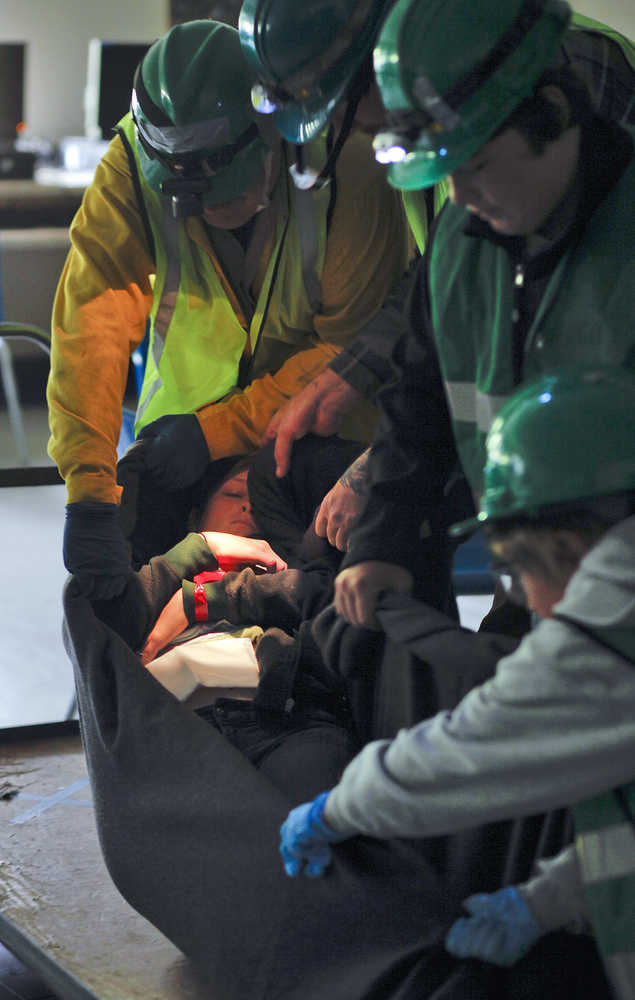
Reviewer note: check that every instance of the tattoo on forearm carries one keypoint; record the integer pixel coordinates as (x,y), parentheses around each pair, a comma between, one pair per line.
(355,477)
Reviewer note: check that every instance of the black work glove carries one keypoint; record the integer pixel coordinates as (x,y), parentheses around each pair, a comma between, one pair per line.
(95,550)
(176,453)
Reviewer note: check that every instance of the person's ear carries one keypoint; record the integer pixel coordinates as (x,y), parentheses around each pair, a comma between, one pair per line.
(560,103)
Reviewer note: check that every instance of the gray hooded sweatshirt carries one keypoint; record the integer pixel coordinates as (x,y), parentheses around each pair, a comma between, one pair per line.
(554,726)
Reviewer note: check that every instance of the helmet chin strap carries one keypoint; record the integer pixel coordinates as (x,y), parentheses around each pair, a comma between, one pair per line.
(309,180)
(270,174)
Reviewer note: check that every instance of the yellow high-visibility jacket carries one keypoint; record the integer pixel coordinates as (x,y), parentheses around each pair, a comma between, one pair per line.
(106,295)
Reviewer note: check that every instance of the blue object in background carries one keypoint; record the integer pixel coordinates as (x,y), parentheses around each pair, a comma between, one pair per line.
(471,573)
(138,361)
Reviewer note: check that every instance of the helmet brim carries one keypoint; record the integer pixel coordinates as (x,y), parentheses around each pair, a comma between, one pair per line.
(298,124)
(422,169)
(466,527)
(481,114)
(303,121)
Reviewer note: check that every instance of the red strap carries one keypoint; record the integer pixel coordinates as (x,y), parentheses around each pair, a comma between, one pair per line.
(200,603)
(209,575)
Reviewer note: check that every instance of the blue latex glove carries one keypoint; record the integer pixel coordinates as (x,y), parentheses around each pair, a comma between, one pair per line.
(176,453)
(95,550)
(500,928)
(305,839)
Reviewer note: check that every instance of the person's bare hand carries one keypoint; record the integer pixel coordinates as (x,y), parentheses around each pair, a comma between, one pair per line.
(340,508)
(319,408)
(358,587)
(170,623)
(257,550)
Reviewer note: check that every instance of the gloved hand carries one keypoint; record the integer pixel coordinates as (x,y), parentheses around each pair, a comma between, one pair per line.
(95,550)
(177,453)
(500,929)
(305,839)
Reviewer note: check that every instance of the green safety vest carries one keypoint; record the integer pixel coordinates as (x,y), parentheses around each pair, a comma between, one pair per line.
(605,844)
(584,317)
(196,341)
(419,210)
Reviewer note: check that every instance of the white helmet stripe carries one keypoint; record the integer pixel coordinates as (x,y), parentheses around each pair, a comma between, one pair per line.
(211,134)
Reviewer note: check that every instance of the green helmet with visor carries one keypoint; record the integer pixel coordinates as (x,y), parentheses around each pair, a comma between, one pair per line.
(451,72)
(566,438)
(198,139)
(307,56)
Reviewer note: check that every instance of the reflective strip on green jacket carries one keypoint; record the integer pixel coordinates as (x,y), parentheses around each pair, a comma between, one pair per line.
(196,339)
(605,846)
(605,842)
(585,314)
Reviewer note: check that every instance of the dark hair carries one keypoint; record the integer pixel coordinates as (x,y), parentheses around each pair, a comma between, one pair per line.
(539,120)
(217,474)
(195,10)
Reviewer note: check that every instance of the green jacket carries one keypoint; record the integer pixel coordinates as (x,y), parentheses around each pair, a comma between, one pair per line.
(584,314)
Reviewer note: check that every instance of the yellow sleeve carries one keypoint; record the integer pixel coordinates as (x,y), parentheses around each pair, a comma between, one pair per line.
(235,425)
(103,300)
(367,251)
(368,248)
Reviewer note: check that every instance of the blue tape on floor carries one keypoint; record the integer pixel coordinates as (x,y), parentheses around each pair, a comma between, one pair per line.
(48,801)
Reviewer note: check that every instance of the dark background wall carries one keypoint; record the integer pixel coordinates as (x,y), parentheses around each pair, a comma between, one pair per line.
(190,10)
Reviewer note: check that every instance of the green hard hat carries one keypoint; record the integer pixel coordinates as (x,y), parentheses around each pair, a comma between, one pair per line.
(451,72)
(306,54)
(191,104)
(566,437)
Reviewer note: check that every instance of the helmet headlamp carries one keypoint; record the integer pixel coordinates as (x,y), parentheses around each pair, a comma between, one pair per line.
(390,147)
(266,100)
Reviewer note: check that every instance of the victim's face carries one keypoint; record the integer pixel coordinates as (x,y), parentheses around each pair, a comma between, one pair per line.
(510,186)
(229,509)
